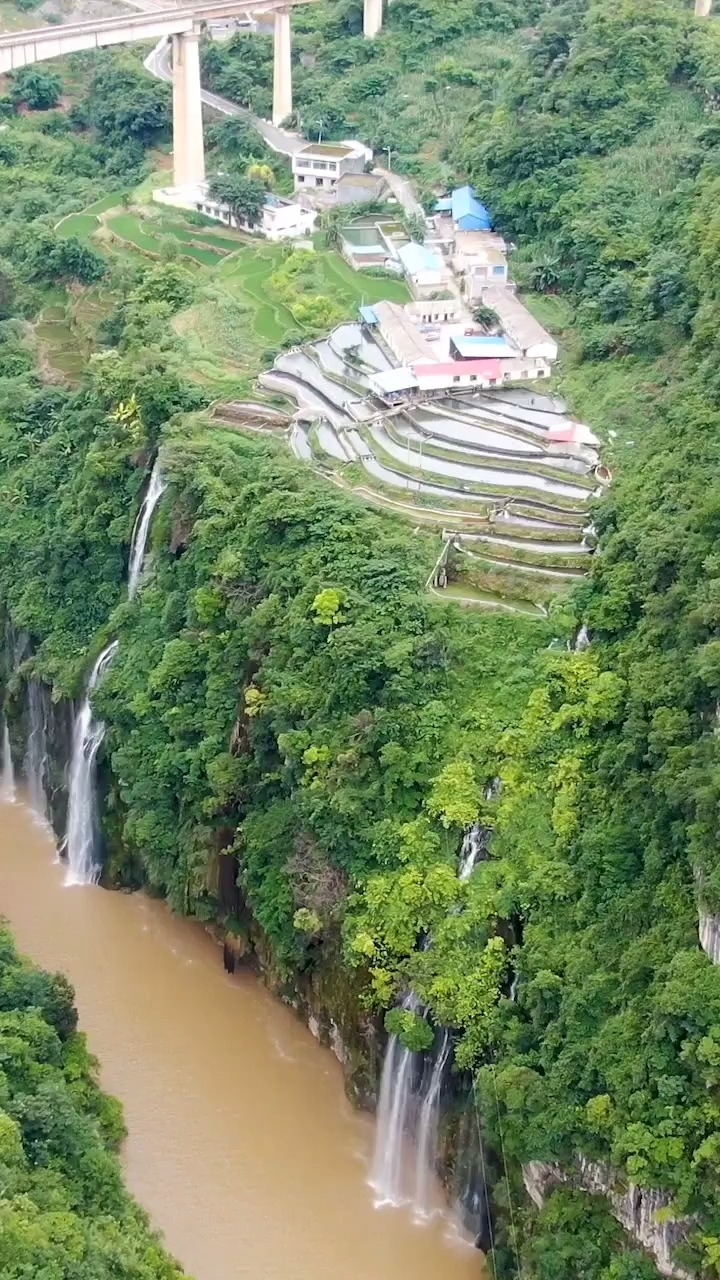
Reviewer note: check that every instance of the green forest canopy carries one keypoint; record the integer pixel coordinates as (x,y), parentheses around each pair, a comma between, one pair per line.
(286,693)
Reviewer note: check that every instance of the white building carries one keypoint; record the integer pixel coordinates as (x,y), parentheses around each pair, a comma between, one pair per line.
(424,269)
(480,259)
(319,166)
(281,219)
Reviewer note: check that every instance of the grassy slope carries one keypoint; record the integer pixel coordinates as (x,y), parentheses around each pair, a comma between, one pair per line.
(236,317)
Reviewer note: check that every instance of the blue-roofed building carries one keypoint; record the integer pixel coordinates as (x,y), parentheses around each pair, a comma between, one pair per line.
(424,268)
(369,317)
(469,213)
(481,347)
(416,258)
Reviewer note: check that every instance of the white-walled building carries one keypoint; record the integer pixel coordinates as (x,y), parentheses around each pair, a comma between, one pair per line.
(281,219)
(480,259)
(319,166)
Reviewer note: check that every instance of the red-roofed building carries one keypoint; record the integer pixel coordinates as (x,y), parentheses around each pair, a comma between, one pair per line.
(572,433)
(458,373)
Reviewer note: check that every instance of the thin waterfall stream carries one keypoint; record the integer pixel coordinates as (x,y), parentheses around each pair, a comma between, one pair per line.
(411,1091)
(155,490)
(83,864)
(36,763)
(88,732)
(7,778)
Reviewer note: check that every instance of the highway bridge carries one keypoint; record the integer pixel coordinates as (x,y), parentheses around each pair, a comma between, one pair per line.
(182,24)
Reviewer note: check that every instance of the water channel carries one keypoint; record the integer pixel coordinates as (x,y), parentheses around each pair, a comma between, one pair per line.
(241,1143)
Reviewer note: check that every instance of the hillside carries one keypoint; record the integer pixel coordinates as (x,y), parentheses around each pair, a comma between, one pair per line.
(299,736)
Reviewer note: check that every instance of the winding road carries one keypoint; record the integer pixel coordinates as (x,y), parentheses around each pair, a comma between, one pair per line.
(279,140)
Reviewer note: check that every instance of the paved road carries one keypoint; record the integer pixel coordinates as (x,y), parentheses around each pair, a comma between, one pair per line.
(403,191)
(279,140)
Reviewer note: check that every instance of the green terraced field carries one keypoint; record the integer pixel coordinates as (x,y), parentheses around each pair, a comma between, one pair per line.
(236,317)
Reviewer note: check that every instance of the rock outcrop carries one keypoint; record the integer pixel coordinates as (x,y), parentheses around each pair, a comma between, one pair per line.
(642,1211)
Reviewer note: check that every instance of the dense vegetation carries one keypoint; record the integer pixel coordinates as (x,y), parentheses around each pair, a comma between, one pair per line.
(64,1212)
(287,703)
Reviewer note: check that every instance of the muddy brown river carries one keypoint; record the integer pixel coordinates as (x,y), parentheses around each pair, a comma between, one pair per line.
(241,1143)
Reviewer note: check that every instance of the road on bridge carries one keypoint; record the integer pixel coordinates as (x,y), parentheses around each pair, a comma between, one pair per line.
(280,140)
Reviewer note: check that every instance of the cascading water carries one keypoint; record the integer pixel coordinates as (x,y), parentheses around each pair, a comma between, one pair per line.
(474,849)
(88,733)
(36,762)
(427,1130)
(401,1102)
(582,639)
(7,778)
(396,1094)
(155,490)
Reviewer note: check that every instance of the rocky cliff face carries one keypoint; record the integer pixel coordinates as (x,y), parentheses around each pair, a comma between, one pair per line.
(41,739)
(641,1210)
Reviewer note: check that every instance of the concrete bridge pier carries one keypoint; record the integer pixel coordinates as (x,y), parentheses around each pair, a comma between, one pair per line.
(703,8)
(372,18)
(282,70)
(188,147)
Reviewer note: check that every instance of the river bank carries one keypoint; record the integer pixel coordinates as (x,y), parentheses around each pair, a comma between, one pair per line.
(241,1143)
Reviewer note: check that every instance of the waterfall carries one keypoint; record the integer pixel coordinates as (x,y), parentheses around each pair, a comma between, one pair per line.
(88,733)
(7,778)
(155,490)
(400,1102)
(36,755)
(396,1096)
(426,1144)
(473,850)
(582,639)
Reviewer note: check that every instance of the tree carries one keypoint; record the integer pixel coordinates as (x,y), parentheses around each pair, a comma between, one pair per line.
(7,294)
(244,197)
(545,274)
(236,138)
(261,173)
(125,105)
(487,317)
(36,88)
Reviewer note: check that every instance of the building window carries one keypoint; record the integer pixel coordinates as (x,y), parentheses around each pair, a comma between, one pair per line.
(473,377)
(456,378)
(498,271)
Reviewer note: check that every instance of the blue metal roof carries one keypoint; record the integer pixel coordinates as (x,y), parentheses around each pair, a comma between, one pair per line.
(444,206)
(415,258)
(478,347)
(482,340)
(468,211)
(369,316)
